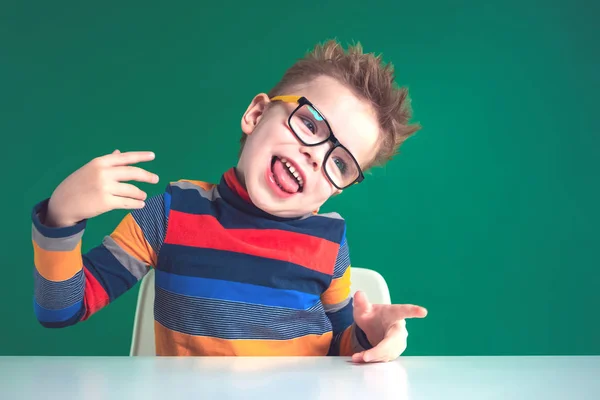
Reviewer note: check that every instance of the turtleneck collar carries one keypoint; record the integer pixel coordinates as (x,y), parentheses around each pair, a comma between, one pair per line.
(232,191)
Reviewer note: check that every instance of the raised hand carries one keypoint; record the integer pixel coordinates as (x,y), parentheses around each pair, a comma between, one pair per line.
(98,187)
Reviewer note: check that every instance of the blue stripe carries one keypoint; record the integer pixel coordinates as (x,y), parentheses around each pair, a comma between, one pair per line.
(342,261)
(239,267)
(108,271)
(361,336)
(56,295)
(60,315)
(63,324)
(167,200)
(152,221)
(234,291)
(49,232)
(191,202)
(334,346)
(231,320)
(342,318)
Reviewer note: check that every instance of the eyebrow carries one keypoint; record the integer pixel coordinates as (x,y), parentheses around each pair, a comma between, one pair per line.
(346,147)
(316,113)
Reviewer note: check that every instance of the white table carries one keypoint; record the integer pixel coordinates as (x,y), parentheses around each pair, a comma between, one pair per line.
(299,378)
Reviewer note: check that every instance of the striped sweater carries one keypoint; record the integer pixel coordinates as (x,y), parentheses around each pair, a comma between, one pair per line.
(230,278)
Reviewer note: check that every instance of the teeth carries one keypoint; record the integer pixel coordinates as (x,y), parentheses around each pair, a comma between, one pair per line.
(293,171)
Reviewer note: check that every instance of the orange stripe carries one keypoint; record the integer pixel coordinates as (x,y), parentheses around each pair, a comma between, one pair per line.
(346,342)
(171,343)
(204,185)
(129,237)
(57,266)
(338,290)
(306,250)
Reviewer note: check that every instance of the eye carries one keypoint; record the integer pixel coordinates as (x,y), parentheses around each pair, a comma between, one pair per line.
(309,124)
(341,165)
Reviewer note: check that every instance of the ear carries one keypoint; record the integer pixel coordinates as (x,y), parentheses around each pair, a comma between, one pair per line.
(254,113)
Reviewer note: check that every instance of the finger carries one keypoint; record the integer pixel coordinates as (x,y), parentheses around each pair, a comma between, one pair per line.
(410,311)
(126,203)
(358,357)
(128,173)
(361,302)
(390,348)
(128,190)
(131,157)
(116,151)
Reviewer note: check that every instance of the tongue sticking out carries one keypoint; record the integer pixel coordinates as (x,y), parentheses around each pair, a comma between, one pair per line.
(283,177)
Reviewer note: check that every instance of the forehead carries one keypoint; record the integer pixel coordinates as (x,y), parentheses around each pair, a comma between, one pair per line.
(352,120)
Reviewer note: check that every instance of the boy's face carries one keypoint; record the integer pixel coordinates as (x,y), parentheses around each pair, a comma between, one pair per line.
(270,185)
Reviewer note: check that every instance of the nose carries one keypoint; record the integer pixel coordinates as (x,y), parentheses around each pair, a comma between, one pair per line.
(315,155)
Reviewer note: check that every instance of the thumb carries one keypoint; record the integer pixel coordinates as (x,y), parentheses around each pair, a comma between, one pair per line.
(362,305)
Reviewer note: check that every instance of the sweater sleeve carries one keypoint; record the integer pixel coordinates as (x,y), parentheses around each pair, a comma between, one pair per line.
(348,338)
(70,286)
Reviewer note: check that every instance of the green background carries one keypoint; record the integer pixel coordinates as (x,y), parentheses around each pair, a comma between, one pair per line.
(488,217)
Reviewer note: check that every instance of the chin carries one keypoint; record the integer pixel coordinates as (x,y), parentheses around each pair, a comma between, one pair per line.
(259,196)
(263,199)
(276,209)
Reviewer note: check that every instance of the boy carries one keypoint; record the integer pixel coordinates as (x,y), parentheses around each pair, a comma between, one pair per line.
(245,266)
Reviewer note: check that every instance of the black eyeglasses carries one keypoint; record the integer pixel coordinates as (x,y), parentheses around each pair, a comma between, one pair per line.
(312,129)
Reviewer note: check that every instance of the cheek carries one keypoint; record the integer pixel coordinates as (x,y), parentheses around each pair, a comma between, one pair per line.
(255,145)
(264,138)
(324,190)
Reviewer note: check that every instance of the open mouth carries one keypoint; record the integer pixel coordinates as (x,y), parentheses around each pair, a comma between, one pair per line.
(286,177)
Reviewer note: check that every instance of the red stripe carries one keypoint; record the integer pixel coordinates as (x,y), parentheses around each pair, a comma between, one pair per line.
(234,184)
(206,232)
(95,296)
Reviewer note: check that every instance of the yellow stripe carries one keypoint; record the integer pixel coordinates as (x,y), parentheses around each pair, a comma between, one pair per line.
(338,290)
(130,238)
(57,266)
(171,343)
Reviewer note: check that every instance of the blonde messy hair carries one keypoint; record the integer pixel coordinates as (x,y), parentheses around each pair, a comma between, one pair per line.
(369,78)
